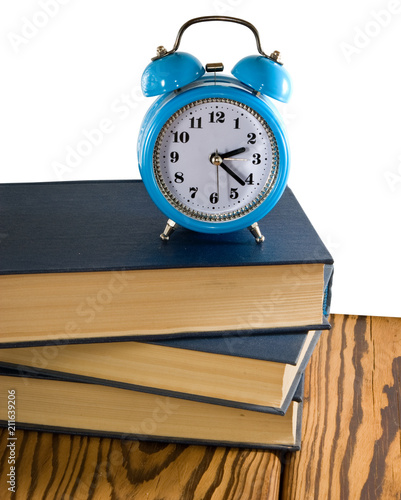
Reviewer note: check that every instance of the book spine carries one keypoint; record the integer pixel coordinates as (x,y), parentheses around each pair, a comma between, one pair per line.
(328,281)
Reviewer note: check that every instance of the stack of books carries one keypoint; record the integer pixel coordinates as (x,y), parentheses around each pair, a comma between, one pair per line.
(107,330)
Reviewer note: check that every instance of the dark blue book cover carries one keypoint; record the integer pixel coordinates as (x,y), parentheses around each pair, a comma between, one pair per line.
(112,225)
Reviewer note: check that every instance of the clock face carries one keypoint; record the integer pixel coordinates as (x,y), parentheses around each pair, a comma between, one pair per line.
(216,159)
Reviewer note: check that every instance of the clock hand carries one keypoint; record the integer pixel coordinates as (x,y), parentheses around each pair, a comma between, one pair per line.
(234,152)
(217,160)
(218,181)
(233,174)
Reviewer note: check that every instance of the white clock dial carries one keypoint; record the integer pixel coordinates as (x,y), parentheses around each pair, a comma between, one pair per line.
(216,159)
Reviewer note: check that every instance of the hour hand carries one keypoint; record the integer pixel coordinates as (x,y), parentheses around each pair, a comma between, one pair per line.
(233,153)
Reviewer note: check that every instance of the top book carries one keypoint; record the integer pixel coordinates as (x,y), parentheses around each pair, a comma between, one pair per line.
(81,261)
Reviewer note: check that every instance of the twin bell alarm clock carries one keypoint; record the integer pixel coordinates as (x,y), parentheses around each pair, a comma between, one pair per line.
(213,153)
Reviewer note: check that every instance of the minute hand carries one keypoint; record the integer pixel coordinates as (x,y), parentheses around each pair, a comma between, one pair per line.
(233,174)
(233,153)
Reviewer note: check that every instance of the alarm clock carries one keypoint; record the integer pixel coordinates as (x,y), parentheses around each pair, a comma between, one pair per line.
(212,150)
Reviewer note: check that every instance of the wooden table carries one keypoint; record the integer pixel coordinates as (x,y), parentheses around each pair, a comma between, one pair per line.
(351,445)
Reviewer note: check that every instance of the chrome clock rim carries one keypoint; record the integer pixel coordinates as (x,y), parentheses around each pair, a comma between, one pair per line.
(230,214)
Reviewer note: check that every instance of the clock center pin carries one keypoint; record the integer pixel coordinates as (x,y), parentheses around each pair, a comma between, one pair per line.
(216,159)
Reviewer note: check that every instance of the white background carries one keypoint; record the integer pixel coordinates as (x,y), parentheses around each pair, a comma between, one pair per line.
(69,67)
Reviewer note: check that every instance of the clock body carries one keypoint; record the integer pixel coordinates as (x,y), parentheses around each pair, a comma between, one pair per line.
(214,155)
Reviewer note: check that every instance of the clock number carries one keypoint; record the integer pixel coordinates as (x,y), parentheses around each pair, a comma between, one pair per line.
(236,123)
(234,193)
(251,138)
(256,159)
(218,117)
(179,177)
(249,180)
(195,122)
(174,157)
(183,137)
(214,198)
(193,191)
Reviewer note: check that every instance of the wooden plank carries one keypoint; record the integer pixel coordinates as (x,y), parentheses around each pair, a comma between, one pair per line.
(351,446)
(56,466)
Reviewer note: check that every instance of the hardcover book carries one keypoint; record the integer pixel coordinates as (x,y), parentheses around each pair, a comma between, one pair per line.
(52,404)
(83,260)
(259,373)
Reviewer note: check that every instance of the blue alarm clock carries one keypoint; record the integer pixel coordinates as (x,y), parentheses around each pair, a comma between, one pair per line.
(212,150)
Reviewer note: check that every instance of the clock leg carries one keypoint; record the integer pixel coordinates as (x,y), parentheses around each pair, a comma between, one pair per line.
(168,230)
(255,230)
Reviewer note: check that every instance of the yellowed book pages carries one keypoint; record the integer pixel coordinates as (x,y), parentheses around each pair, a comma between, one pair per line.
(44,307)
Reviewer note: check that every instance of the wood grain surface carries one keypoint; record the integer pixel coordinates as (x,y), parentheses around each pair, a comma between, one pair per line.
(57,466)
(351,445)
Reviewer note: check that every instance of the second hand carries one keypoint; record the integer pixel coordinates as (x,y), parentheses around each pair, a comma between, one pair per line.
(218,183)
